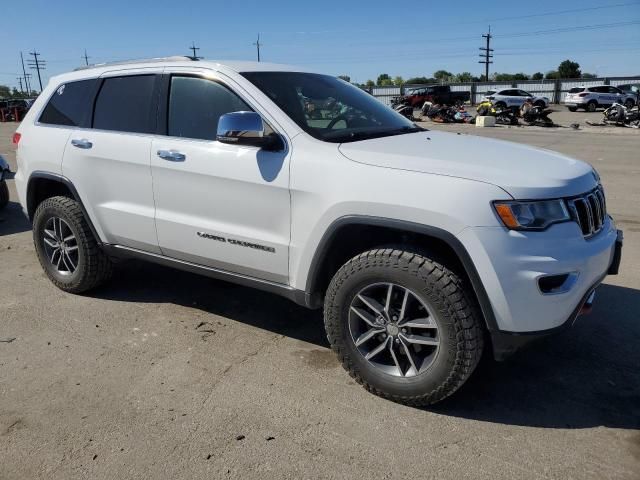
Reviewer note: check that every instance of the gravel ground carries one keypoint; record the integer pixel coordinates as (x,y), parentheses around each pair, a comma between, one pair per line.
(165,374)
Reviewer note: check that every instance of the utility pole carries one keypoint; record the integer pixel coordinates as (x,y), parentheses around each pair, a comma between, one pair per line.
(194,49)
(258,44)
(86,57)
(26,76)
(487,54)
(37,65)
(20,81)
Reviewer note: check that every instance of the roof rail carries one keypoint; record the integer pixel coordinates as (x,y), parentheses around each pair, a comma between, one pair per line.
(175,58)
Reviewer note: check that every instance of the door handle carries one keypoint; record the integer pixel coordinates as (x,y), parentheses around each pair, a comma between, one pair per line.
(82,143)
(172,155)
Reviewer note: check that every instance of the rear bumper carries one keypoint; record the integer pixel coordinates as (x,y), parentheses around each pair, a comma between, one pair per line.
(507,343)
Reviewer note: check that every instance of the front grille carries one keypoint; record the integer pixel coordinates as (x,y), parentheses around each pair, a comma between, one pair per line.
(589,211)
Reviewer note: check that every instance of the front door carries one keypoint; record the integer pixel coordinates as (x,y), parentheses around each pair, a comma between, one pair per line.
(218,205)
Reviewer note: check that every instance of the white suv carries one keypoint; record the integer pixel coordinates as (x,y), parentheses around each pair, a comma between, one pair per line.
(514,97)
(590,98)
(423,251)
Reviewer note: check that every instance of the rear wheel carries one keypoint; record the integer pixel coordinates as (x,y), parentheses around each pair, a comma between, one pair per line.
(4,194)
(591,106)
(403,325)
(66,247)
(572,109)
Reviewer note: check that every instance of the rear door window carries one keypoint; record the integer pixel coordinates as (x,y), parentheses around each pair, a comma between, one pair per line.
(126,104)
(576,90)
(70,104)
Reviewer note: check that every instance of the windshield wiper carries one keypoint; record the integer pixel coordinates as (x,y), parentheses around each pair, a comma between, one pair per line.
(369,134)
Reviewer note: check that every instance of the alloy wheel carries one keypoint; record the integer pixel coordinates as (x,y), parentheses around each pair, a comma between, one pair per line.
(393,329)
(60,246)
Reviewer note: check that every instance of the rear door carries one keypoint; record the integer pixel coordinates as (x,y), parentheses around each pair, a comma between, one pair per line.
(218,205)
(109,163)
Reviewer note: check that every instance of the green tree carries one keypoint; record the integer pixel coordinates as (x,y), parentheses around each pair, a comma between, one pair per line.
(398,80)
(589,75)
(552,75)
(569,69)
(502,77)
(383,79)
(5,92)
(346,78)
(370,83)
(442,75)
(520,76)
(464,77)
(537,76)
(420,80)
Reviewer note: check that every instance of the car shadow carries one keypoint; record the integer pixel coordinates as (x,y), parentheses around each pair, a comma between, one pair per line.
(137,281)
(587,376)
(13,220)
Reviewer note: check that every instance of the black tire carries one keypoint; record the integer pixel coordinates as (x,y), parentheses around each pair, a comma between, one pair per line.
(459,324)
(572,109)
(4,194)
(629,103)
(539,103)
(93,266)
(592,106)
(501,105)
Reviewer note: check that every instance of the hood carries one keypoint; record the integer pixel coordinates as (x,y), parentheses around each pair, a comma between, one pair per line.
(524,172)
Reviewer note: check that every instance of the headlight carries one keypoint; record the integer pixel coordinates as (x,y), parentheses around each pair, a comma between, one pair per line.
(532,215)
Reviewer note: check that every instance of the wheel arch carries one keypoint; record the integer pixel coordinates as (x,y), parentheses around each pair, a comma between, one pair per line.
(338,245)
(43,185)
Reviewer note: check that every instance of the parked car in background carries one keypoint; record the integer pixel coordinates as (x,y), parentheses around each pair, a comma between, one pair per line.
(440,94)
(514,98)
(4,190)
(591,98)
(633,90)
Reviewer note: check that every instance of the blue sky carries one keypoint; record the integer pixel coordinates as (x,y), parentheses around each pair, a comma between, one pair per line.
(357,38)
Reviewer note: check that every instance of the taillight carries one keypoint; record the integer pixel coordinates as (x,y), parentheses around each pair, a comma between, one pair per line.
(16,138)
(583,94)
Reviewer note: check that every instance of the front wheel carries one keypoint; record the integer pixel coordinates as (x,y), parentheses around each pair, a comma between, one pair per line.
(572,109)
(629,103)
(66,247)
(591,106)
(403,325)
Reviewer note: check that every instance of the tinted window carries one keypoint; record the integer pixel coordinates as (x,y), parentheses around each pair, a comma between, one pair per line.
(125,104)
(576,90)
(614,90)
(70,105)
(196,104)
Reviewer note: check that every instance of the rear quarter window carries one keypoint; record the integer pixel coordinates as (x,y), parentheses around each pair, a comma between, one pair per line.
(576,90)
(70,104)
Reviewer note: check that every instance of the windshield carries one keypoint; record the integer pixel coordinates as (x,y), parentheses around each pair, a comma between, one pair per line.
(330,109)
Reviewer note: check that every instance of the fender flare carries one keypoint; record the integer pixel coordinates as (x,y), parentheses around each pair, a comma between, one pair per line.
(70,186)
(447,237)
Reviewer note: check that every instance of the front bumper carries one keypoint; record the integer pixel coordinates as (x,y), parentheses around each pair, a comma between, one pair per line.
(511,263)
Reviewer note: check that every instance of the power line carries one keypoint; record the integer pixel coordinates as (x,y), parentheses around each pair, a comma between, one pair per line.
(570,29)
(25,74)
(560,12)
(37,65)
(487,54)
(258,44)
(86,57)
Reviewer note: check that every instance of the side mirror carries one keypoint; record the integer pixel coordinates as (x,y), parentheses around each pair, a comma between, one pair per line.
(246,128)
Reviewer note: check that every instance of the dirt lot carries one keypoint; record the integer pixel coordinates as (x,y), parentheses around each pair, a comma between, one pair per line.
(164,374)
